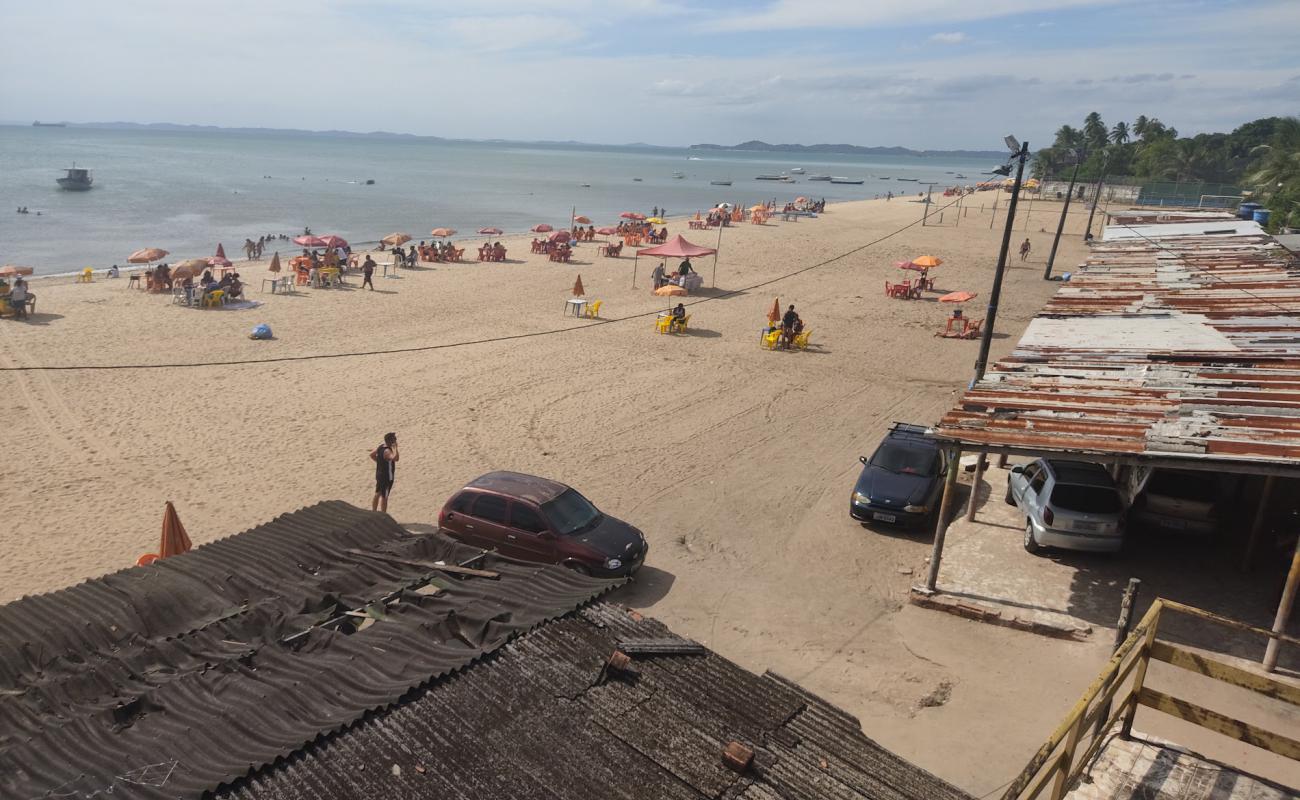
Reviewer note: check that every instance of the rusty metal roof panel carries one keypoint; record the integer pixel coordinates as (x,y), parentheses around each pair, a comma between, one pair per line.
(1184,347)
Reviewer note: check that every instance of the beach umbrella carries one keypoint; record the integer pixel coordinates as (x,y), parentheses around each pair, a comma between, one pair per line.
(775,313)
(489,231)
(13,271)
(956,297)
(581,220)
(542,228)
(578,291)
(395,239)
(174,538)
(927,261)
(333,242)
(216,261)
(801,199)
(189,269)
(607,231)
(275,262)
(146,255)
(671,290)
(221,253)
(655,220)
(560,236)
(308,241)
(759,207)
(632,215)
(443,232)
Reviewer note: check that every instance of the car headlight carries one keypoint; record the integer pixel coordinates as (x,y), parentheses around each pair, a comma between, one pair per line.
(916,509)
(613,563)
(859,497)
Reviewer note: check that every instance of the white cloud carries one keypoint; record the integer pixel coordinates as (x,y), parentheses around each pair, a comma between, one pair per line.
(956,37)
(790,14)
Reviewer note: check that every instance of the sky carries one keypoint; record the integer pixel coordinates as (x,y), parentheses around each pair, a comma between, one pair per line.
(926,74)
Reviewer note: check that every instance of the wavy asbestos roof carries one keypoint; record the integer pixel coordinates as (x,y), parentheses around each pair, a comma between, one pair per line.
(1163,347)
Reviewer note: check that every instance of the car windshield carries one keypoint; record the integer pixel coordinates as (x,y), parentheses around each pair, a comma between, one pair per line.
(1086,499)
(570,513)
(910,460)
(1182,485)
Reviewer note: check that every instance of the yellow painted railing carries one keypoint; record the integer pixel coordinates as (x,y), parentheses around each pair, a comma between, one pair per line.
(1116,693)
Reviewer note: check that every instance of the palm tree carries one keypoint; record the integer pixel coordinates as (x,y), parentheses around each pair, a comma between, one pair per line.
(1276,176)
(1068,137)
(1140,126)
(1154,129)
(1094,131)
(1119,133)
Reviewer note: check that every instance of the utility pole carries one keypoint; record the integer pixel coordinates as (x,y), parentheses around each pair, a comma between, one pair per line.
(990,317)
(1096,197)
(1060,226)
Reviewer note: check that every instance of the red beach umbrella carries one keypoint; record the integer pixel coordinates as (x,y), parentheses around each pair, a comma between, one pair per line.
(560,236)
(333,242)
(581,220)
(443,232)
(221,252)
(308,241)
(632,215)
(490,231)
(146,255)
(607,231)
(775,313)
(956,297)
(275,262)
(542,228)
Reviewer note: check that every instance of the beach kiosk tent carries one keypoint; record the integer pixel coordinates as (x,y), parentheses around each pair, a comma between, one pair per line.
(676,247)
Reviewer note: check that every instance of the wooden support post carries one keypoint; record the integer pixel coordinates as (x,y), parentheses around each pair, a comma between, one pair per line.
(1283,611)
(1257,524)
(980,461)
(1062,782)
(1002,460)
(1140,674)
(941,522)
(1125,624)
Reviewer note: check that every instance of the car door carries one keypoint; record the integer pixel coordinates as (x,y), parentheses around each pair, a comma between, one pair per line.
(491,515)
(459,522)
(1020,479)
(1035,492)
(528,532)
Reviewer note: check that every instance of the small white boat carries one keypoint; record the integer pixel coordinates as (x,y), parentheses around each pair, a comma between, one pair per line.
(846,181)
(796,170)
(719,183)
(819,177)
(637,180)
(585,185)
(679,175)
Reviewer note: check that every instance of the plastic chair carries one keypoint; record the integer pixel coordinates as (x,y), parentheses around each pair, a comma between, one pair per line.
(213,299)
(771,339)
(682,323)
(593,309)
(801,341)
(663,324)
(87,276)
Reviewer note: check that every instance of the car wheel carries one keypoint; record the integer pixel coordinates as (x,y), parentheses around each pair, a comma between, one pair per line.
(1010,498)
(1031,546)
(578,568)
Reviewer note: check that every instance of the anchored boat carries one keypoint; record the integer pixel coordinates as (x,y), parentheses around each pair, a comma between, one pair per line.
(76,179)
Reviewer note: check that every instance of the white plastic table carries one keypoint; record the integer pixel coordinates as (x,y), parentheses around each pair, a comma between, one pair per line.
(577,304)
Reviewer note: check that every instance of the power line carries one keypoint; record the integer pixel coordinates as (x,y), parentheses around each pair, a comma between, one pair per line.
(467,343)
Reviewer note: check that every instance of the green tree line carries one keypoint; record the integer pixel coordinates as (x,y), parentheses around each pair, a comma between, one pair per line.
(1262,157)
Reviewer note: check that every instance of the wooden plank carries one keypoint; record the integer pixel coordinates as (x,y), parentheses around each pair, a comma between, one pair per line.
(412,562)
(1220,723)
(1211,668)
(1192,611)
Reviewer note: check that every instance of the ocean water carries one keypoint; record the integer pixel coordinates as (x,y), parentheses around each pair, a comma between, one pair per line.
(185,192)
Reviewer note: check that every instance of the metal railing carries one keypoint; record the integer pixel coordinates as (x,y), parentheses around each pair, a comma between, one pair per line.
(1113,698)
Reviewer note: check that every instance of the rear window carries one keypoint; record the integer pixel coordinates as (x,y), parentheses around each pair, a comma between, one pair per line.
(491,508)
(1183,485)
(463,501)
(910,460)
(1086,499)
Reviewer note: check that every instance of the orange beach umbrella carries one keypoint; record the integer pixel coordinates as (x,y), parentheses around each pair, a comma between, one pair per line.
(11,270)
(146,255)
(443,232)
(775,313)
(394,239)
(957,297)
(927,261)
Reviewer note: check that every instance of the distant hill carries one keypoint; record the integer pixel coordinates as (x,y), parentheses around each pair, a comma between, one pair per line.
(850,149)
(171,126)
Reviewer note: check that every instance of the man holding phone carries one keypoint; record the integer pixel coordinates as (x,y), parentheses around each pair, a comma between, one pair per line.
(385,457)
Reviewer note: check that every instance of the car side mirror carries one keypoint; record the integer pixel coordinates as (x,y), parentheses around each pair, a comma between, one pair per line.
(1019,468)
(863,459)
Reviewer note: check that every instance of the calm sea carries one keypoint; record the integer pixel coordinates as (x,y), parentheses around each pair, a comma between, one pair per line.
(185,192)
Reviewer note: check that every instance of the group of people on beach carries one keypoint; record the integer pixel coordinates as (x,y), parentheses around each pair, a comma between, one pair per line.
(660,278)
(18,297)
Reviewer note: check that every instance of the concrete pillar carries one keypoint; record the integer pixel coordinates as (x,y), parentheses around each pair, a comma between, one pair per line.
(980,460)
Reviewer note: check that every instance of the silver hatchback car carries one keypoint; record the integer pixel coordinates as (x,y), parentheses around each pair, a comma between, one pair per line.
(1072,505)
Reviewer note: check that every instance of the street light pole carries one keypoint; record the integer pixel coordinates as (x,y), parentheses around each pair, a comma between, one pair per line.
(990,317)
(1051,257)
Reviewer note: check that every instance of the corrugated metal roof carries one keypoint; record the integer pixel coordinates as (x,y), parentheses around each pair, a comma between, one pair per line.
(1216,225)
(534,720)
(1182,348)
(172,679)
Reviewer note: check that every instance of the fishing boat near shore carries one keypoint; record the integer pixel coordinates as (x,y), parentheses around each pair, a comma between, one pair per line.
(848,181)
(76,179)
(913,180)
(796,170)
(819,177)
(719,183)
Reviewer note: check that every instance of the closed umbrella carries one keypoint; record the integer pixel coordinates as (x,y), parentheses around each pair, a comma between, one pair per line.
(927,261)
(275,262)
(221,252)
(581,220)
(443,232)
(174,538)
(578,291)
(395,239)
(775,313)
(542,228)
(12,271)
(956,297)
(146,255)
(489,231)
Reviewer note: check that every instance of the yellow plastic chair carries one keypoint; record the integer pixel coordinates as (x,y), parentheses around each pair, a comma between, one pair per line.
(771,339)
(593,309)
(686,320)
(663,324)
(213,299)
(87,276)
(801,341)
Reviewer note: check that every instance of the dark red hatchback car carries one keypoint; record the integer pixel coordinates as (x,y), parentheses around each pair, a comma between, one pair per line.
(536,519)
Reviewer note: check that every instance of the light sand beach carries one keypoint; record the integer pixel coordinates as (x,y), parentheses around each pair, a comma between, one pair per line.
(736,461)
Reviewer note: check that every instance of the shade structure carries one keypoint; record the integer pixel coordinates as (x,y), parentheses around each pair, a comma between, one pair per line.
(394,239)
(13,270)
(678,247)
(542,228)
(443,232)
(560,236)
(927,261)
(275,262)
(632,215)
(775,313)
(308,241)
(607,231)
(174,538)
(581,220)
(671,290)
(956,297)
(490,231)
(146,255)
(333,242)
(578,291)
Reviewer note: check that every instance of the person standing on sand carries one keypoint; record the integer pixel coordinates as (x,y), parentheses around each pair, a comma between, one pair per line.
(385,457)
(368,272)
(1024,249)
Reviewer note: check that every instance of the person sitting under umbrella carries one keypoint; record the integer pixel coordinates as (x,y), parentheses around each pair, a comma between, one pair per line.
(679,315)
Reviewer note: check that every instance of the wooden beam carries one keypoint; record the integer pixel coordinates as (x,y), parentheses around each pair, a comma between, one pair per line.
(412,562)
(1174,605)
(1219,723)
(1212,668)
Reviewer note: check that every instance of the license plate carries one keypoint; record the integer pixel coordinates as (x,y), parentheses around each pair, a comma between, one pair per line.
(884,517)
(1085,526)
(1173,524)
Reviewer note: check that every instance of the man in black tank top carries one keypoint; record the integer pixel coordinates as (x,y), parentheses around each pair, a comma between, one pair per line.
(385,457)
